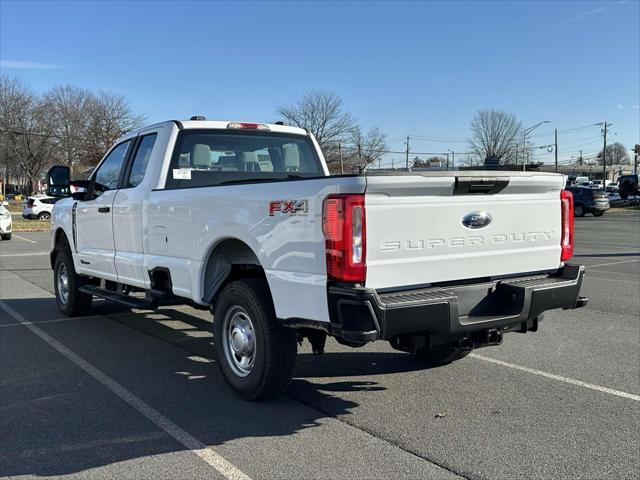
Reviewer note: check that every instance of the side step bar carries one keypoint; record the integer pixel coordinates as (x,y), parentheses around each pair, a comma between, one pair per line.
(149,303)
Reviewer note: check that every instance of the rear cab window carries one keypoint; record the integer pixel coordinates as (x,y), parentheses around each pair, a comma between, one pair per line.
(205,158)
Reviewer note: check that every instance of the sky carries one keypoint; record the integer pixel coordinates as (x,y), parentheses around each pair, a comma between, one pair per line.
(411,68)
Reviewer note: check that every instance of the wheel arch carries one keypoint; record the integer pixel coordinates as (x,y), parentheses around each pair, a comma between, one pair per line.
(228,259)
(60,238)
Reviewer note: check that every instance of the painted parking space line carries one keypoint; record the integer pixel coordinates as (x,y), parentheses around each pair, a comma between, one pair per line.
(31,254)
(225,468)
(611,263)
(559,378)
(22,238)
(53,320)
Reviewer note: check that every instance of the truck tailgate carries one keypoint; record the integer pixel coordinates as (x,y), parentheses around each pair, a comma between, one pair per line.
(416,231)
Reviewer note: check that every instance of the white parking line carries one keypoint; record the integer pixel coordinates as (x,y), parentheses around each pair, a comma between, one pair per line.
(612,263)
(25,239)
(53,320)
(32,254)
(559,378)
(207,454)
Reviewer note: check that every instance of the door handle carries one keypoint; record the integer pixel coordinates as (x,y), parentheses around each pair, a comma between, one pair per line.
(104,209)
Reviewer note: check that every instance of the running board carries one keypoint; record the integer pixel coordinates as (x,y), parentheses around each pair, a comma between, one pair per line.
(133,302)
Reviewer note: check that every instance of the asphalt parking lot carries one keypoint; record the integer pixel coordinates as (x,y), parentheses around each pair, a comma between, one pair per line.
(124,394)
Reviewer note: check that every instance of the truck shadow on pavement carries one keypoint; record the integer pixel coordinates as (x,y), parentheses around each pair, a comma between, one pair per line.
(56,419)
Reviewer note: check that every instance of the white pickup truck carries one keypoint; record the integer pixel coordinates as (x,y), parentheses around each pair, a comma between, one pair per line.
(244,219)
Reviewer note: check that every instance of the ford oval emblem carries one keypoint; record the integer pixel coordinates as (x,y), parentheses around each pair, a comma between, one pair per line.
(475,220)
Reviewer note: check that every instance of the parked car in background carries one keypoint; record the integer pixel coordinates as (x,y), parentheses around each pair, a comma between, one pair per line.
(588,200)
(612,188)
(596,184)
(628,186)
(39,207)
(5,222)
(581,181)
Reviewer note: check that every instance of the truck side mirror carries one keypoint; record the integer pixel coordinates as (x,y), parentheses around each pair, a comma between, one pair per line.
(59,181)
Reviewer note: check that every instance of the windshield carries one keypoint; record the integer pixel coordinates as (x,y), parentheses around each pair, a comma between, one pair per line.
(217,157)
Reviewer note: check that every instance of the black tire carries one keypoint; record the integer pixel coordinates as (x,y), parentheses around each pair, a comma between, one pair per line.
(74,303)
(578,210)
(598,213)
(442,355)
(269,359)
(6,236)
(44,216)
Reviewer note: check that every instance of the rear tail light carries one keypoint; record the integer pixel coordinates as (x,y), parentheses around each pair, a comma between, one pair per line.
(344,227)
(566,239)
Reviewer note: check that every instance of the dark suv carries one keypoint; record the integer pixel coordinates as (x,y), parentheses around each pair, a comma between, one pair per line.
(628,186)
(589,200)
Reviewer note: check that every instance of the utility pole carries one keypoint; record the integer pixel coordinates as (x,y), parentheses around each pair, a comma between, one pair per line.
(453,158)
(556,150)
(604,155)
(580,157)
(525,155)
(447,160)
(407,159)
(340,154)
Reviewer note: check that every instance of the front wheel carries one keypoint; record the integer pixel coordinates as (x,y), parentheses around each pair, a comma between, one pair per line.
(578,211)
(71,301)
(255,354)
(6,236)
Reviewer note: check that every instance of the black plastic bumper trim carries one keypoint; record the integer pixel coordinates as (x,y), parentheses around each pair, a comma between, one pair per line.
(363,315)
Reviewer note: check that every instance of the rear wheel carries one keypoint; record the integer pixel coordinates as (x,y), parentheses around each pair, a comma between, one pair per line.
(598,213)
(44,216)
(71,301)
(255,354)
(578,210)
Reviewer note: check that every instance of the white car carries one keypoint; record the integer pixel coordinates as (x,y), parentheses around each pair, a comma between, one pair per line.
(39,207)
(244,219)
(5,222)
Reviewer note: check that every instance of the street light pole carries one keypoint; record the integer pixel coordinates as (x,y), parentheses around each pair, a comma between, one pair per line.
(525,154)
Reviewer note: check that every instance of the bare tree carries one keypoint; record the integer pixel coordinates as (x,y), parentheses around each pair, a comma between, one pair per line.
(26,132)
(70,109)
(110,117)
(617,154)
(495,135)
(323,115)
(364,149)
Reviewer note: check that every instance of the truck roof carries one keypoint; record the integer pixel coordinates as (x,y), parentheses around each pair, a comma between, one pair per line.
(216,124)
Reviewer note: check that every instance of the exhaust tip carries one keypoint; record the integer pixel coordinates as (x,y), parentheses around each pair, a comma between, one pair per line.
(465,344)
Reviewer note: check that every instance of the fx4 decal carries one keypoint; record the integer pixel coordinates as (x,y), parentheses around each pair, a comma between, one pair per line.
(289,207)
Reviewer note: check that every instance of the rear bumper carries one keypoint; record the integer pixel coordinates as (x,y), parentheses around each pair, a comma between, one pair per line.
(361,315)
